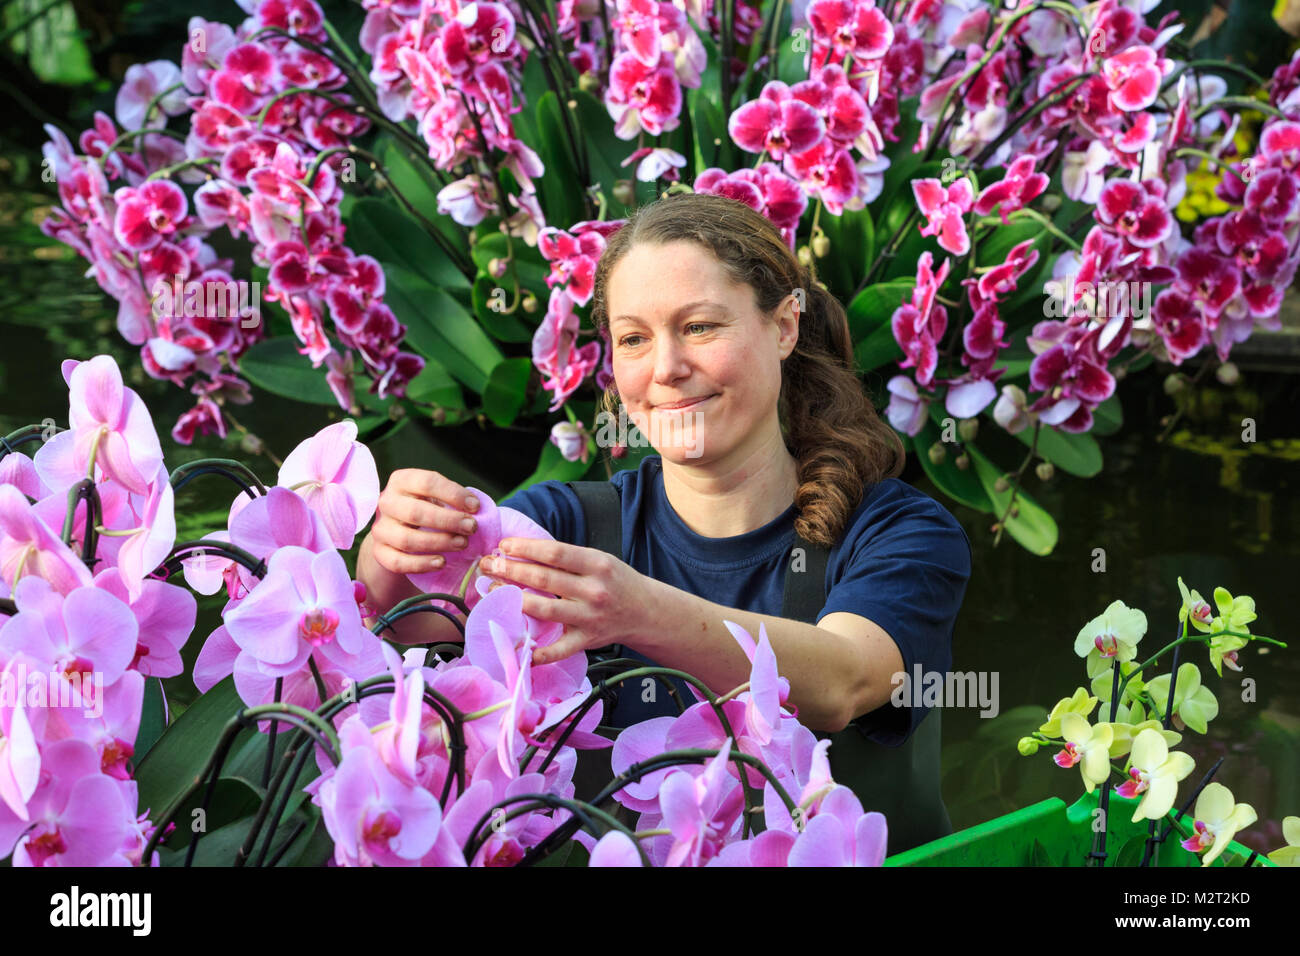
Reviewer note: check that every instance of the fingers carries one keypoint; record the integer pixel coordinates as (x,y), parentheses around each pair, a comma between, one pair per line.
(419,519)
(400,562)
(422,483)
(568,645)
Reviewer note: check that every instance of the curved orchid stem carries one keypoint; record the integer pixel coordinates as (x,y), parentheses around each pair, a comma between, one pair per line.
(86,489)
(255,566)
(11,442)
(536,801)
(229,468)
(635,772)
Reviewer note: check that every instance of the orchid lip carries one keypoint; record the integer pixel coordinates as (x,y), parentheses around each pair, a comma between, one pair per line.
(685,403)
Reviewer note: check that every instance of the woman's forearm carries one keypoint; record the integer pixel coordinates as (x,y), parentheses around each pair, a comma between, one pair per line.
(384,590)
(829,678)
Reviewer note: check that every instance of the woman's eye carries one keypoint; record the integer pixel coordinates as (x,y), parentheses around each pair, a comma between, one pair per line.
(699,325)
(627,339)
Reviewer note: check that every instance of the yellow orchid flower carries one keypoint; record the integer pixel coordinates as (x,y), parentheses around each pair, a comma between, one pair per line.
(1195,608)
(1087,746)
(1194,704)
(1112,635)
(1234,614)
(1288,855)
(1155,772)
(1124,733)
(1078,703)
(1218,817)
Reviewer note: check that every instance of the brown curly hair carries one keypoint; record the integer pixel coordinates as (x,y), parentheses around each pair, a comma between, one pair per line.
(829,424)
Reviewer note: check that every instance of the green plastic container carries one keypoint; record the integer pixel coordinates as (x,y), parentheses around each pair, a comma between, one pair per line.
(1051,834)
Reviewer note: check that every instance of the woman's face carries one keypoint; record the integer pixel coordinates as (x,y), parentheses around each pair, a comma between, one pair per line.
(681,330)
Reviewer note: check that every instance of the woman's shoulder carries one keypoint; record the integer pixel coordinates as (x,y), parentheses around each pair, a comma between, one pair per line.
(896,514)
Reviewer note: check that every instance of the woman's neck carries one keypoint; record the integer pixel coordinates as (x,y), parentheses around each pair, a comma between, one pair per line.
(732,497)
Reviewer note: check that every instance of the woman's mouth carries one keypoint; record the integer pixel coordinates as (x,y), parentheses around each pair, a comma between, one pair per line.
(684,404)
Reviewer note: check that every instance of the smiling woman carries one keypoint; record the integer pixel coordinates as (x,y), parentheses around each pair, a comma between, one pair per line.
(772,504)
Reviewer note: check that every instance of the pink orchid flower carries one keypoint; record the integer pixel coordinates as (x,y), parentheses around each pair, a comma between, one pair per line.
(110,420)
(944,209)
(165,614)
(492,524)
(373,817)
(88,631)
(700,811)
(20,758)
(79,816)
(841,835)
(615,848)
(28,548)
(767,689)
(336,476)
(305,607)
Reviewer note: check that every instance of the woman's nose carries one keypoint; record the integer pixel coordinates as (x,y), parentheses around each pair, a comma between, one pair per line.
(670,360)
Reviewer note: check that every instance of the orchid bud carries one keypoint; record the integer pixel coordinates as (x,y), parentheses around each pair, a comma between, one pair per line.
(618,451)
(1045,471)
(821,245)
(589,83)
(571,439)
(497,268)
(396,411)
(625,192)
(805,256)
(438,415)
(1227,374)
(1027,746)
(1175,383)
(251,444)
(1001,484)
(530,303)
(937,453)
(968,428)
(962,461)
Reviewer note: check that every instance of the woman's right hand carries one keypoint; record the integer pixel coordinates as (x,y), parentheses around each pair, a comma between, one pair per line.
(421,515)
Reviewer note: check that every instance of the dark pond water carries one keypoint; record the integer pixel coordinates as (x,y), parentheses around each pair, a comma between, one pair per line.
(1204,505)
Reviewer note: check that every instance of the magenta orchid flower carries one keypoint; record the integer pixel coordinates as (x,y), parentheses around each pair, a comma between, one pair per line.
(1133,77)
(944,208)
(165,615)
(776,123)
(1014,191)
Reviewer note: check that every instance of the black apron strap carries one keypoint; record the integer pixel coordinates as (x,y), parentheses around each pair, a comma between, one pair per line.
(602,509)
(901,782)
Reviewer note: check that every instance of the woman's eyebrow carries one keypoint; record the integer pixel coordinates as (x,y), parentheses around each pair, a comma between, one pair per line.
(680,311)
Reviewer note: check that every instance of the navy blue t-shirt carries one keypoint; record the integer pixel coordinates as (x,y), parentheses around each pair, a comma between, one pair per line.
(903,562)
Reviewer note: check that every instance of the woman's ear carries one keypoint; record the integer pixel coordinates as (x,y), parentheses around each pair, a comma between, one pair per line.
(789,314)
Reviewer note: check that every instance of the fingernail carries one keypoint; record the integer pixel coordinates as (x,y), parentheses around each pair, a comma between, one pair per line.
(436,561)
(471,503)
(485,564)
(467,525)
(458,542)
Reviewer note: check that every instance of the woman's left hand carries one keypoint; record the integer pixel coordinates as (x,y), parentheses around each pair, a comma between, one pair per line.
(601,600)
